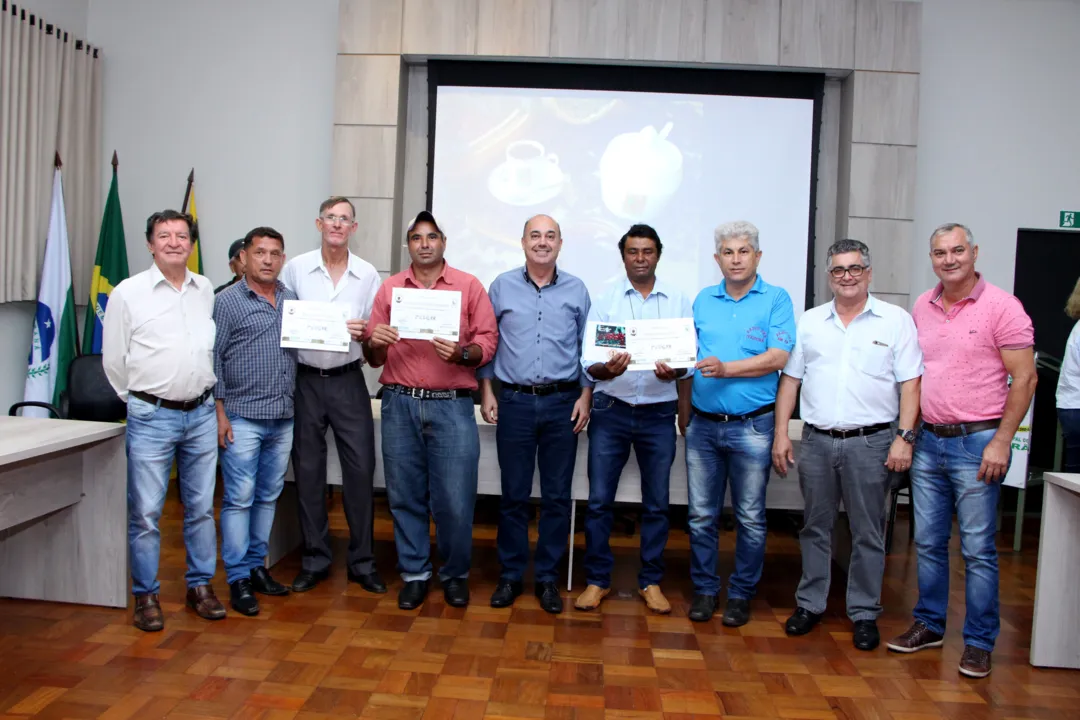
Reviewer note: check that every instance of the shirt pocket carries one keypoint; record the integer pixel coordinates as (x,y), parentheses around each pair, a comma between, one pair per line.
(874,360)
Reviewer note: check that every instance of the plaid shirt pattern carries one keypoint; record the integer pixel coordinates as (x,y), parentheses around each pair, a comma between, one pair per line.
(256,377)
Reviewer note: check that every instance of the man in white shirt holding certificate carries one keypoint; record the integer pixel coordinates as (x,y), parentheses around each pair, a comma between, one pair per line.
(331,392)
(632,408)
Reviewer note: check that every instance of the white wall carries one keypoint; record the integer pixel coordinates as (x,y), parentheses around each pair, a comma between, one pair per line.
(999,124)
(70,15)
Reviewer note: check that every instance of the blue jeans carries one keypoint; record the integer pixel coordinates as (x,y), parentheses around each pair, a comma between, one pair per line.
(528,423)
(1070,428)
(431,449)
(253,467)
(943,476)
(613,427)
(739,450)
(155,437)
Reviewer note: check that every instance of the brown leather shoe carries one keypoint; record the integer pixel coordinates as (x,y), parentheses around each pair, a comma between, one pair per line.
(148,616)
(204,602)
(918,637)
(655,600)
(975,662)
(591,597)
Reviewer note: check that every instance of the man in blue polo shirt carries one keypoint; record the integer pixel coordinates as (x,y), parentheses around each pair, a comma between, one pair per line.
(745,329)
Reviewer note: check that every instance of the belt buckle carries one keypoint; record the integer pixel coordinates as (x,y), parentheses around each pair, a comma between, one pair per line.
(417,393)
(323,372)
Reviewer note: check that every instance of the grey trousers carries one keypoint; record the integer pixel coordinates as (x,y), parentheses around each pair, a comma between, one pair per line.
(852,469)
(343,404)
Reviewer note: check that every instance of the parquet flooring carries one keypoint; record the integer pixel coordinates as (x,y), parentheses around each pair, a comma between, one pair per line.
(340,652)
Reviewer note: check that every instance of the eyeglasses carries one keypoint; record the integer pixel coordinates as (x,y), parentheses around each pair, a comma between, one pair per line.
(337,219)
(259,254)
(855,271)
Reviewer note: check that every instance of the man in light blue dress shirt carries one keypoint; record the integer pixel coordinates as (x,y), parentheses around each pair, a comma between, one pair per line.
(637,409)
(542,405)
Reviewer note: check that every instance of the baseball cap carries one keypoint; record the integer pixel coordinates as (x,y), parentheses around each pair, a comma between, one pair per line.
(423,216)
(235,249)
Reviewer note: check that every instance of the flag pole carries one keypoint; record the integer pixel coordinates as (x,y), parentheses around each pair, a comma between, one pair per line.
(78,346)
(187,192)
(115,162)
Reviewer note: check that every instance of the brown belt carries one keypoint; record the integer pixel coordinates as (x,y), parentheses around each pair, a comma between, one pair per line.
(183,405)
(961,429)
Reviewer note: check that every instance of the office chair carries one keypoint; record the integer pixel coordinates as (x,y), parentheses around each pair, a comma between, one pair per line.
(89,396)
(899,483)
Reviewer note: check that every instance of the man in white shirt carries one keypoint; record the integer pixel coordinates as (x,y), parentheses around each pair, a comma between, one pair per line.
(331,392)
(158,354)
(850,355)
(636,408)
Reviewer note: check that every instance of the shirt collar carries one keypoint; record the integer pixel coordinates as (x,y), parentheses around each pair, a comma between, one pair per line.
(444,275)
(869,307)
(351,267)
(757,287)
(529,280)
(278,286)
(158,277)
(659,288)
(973,296)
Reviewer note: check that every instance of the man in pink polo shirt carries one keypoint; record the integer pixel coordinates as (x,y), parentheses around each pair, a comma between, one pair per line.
(973,336)
(430,443)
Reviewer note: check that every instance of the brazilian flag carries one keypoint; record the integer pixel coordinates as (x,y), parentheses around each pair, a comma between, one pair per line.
(110,267)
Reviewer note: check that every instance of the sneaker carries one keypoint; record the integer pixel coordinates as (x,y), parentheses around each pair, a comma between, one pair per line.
(975,662)
(918,637)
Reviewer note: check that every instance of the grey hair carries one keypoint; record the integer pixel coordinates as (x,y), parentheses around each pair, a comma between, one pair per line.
(735,230)
(948,228)
(848,245)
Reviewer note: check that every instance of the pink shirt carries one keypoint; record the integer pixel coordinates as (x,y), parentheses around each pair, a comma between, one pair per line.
(414,363)
(965,379)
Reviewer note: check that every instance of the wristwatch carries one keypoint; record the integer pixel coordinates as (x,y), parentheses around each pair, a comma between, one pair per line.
(907,436)
(464,354)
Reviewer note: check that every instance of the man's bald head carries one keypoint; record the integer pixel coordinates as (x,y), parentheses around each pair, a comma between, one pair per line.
(538,218)
(541,240)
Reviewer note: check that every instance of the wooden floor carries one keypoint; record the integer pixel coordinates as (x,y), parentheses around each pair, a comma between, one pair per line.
(338,651)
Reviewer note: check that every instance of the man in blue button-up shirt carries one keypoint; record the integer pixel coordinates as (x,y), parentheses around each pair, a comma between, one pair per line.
(745,329)
(635,408)
(256,378)
(543,404)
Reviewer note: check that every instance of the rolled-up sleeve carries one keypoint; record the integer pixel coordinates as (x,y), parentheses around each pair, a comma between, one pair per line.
(484,329)
(115,340)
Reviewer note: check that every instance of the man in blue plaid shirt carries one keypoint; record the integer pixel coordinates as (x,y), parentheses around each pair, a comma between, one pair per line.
(254,393)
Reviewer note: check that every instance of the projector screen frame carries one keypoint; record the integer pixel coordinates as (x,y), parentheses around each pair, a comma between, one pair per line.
(634,78)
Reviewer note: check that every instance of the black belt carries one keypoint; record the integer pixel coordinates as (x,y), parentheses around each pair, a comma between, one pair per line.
(184,405)
(961,429)
(424,394)
(854,432)
(721,417)
(549,389)
(328,372)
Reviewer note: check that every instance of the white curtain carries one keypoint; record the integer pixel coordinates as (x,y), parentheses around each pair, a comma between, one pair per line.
(50,101)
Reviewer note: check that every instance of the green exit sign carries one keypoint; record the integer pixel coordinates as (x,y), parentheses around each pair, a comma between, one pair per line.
(1070,219)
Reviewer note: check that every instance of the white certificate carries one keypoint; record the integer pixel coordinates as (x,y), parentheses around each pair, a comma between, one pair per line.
(310,325)
(426,314)
(672,341)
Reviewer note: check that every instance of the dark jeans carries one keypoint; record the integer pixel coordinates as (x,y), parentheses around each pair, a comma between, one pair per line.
(341,403)
(431,449)
(528,423)
(614,427)
(1070,428)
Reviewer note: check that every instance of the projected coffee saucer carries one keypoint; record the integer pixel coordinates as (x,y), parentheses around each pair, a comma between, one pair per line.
(542,182)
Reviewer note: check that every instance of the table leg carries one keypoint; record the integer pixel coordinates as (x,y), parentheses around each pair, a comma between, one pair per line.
(1055,631)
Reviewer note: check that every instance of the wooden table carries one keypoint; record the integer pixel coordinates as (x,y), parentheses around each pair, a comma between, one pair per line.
(63,511)
(1055,632)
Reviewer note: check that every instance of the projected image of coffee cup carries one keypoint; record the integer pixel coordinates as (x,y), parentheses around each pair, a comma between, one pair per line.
(528,176)
(639,173)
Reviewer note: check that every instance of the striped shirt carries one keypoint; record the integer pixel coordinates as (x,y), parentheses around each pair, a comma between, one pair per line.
(255,375)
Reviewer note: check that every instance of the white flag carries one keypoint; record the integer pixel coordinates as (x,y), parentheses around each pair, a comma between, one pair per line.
(53,344)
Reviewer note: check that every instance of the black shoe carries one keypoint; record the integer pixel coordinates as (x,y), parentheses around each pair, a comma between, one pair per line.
(736,612)
(262,582)
(412,594)
(242,598)
(801,622)
(550,600)
(308,580)
(456,592)
(506,592)
(702,608)
(370,582)
(866,635)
